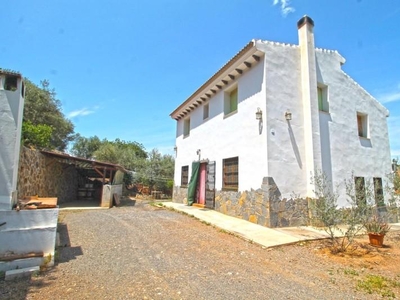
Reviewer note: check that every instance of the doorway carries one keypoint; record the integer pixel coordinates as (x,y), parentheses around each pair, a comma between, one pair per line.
(206,184)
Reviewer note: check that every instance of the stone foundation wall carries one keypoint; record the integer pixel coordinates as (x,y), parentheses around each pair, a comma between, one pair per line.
(179,194)
(263,206)
(46,177)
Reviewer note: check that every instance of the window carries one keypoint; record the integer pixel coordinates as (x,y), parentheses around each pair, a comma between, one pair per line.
(185,175)
(230,101)
(186,127)
(378,189)
(206,111)
(11,83)
(362,124)
(230,173)
(323,104)
(23,89)
(360,190)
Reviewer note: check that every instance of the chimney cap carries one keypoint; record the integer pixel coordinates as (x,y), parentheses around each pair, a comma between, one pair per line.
(305,20)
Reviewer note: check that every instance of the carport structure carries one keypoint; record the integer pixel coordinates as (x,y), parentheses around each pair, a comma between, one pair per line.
(88,168)
(97,183)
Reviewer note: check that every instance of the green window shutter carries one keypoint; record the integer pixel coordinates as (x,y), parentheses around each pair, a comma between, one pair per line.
(320,99)
(234,100)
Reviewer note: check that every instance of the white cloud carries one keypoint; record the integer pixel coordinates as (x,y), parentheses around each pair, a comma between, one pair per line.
(80,112)
(391,96)
(395,153)
(166,149)
(285,7)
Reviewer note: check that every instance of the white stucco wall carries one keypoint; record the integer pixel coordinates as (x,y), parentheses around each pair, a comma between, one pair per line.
(236,135)
(348,153)
(11,110)
(286,147)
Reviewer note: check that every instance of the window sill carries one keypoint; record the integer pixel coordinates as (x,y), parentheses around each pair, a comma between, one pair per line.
(227,189)
(364,138)
(230,114)
(325,112)
(185,136)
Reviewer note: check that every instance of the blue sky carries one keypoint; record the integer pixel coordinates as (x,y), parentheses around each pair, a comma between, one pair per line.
(121,67)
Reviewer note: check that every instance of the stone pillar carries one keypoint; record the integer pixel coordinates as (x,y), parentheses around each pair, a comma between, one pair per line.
(11,111)
(271,195)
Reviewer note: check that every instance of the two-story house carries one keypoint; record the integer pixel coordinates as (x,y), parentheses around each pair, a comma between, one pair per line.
(250,139)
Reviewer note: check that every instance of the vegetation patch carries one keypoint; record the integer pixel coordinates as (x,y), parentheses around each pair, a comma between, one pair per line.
(377,284)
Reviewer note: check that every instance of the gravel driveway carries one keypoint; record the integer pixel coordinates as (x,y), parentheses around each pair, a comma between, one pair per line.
(144,252)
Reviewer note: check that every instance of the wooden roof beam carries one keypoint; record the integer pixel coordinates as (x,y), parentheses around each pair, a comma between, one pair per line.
(98,171)
(239,71)
(247,64)
(256,57)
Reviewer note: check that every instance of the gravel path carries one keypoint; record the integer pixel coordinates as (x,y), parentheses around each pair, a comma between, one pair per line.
(145,252)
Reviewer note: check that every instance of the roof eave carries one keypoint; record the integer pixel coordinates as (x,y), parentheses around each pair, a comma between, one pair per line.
(235,67)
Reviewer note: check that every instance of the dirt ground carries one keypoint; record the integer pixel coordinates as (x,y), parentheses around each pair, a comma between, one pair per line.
(140,251)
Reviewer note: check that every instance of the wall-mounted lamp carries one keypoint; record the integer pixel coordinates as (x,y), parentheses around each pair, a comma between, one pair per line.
(288,115)
(258,114)
(198,152)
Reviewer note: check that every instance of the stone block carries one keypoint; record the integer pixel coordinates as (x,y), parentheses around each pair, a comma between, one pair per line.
(261,220)
(253,219)
(19,273)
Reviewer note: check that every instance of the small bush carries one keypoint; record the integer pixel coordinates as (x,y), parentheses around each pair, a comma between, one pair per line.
(325,210)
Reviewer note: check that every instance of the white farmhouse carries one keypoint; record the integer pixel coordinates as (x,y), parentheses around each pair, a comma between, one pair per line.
(255,133)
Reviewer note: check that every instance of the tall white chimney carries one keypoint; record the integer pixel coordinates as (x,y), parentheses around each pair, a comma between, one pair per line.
(310,100)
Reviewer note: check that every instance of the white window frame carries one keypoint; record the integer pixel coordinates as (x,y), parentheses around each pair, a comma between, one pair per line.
(323,101)
(362,125)
(206,111)
(228,110)
(186,127)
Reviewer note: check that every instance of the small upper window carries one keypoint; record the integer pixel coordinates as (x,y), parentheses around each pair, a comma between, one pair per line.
(186,127)
(11,83)
(323,104)
(231,101)
(362,124)
(206,111)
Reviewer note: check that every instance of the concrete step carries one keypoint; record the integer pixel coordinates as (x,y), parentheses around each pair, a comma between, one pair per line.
(21,263)
(19,273)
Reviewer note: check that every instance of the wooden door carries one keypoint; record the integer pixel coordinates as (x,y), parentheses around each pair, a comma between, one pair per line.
(201,196)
